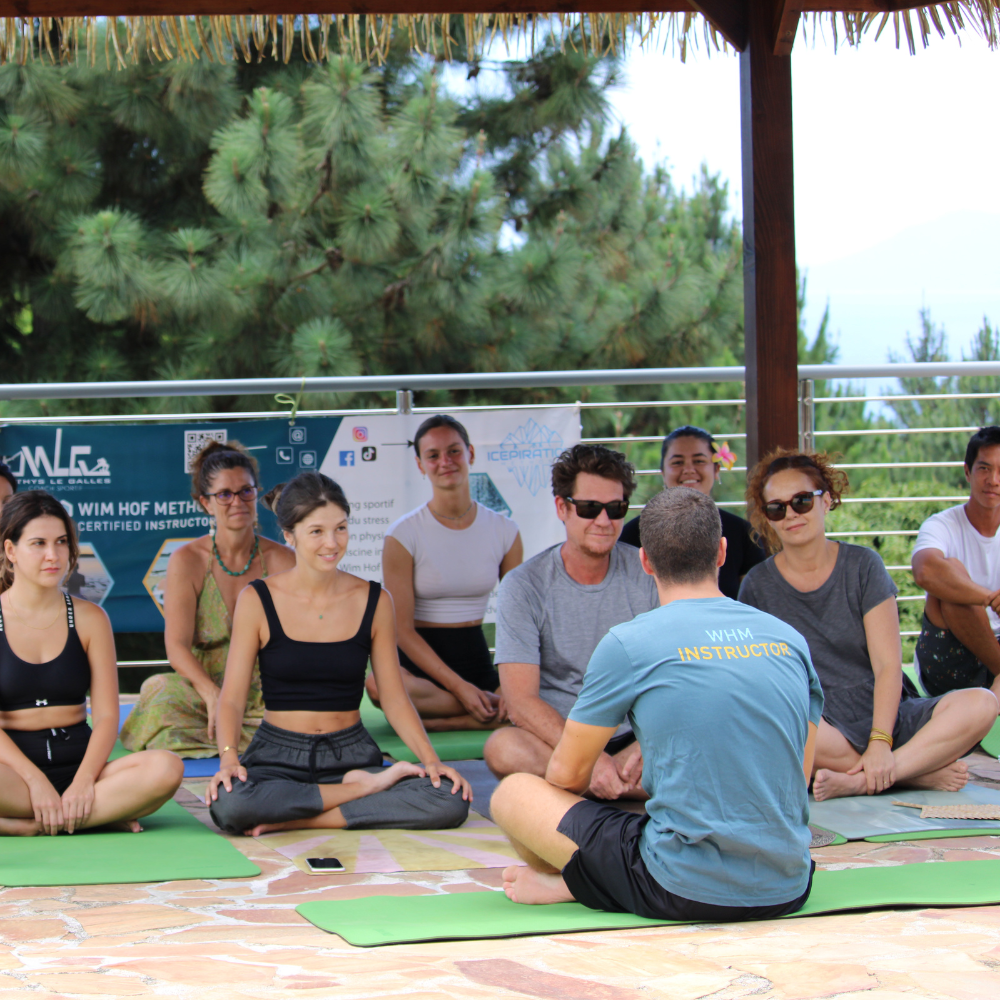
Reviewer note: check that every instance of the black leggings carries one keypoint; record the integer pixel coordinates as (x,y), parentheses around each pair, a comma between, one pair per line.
(464,650)
(57,753)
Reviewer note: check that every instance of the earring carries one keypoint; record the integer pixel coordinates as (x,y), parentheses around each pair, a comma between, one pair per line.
(211,525)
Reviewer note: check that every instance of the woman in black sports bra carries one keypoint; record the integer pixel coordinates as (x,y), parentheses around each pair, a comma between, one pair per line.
(54,770)
(312,764)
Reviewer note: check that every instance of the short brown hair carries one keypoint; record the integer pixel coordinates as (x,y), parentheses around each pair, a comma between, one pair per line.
(679,529)
(596,460)
(818,466)
(17,513)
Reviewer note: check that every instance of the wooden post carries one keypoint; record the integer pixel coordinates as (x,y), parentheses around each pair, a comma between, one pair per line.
(769,289)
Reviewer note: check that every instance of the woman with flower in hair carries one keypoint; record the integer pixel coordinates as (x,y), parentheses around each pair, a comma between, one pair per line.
(176,711)
(691,457)
(876,731)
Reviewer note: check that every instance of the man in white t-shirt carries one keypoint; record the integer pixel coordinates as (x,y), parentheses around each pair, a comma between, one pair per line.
(956,560)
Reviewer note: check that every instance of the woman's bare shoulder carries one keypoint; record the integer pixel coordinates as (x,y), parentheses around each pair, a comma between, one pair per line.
(192,556)
(280,555)
(88,614)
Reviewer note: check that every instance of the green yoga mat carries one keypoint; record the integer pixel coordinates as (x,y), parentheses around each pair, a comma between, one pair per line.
(991,741)
(464,744)
(460,916)
(889,838)
(173,845)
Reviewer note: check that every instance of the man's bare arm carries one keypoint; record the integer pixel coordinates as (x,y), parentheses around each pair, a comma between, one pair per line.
(572,763)
(947,579)
(520,684)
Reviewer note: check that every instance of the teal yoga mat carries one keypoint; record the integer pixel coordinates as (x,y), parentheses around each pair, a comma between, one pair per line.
(460,916)
(858,817)
(461,745)
(173,845)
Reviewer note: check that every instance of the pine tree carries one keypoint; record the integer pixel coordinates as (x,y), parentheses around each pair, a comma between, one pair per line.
(198,220)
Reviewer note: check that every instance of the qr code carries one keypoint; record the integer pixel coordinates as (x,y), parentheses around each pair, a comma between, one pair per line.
(194,441)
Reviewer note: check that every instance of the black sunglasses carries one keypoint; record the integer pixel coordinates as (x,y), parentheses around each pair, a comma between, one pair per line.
(589,509)
(248,494)
(801,503)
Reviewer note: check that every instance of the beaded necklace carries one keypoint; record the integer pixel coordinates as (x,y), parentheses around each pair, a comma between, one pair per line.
(226,569)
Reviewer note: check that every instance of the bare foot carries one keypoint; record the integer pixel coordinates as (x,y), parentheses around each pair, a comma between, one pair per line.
(525,885)
(951,778)
(125,826)
(18,827)
(267,828)
(383,779)
(835,784)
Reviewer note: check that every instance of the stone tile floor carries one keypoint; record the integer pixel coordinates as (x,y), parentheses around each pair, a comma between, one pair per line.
(228,939)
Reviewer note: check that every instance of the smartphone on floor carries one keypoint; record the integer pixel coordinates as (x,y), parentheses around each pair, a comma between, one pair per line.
(324,866)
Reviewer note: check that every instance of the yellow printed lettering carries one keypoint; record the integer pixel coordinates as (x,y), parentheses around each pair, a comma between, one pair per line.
(706,652)
(745,655)
(785,651)
(691,654)
(774,648)
(718,651)
(731,653)
(680,652)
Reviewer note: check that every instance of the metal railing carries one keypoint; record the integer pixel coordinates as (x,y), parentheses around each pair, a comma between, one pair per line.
(404,386)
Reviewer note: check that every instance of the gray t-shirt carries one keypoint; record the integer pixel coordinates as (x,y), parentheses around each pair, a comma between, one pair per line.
(546,617)
(831,621)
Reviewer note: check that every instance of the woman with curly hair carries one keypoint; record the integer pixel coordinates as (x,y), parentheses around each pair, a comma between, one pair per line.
(875,731)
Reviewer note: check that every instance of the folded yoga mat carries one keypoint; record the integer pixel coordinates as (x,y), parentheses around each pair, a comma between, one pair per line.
(858,817)
(380,920)
(464,744)
(477,843)
(173,845)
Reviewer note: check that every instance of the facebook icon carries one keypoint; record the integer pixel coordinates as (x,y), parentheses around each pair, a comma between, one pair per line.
(347,458)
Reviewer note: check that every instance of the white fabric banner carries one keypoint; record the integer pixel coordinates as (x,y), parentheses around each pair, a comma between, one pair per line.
(514,450)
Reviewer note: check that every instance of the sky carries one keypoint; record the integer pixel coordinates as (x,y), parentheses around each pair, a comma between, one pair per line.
(896,200)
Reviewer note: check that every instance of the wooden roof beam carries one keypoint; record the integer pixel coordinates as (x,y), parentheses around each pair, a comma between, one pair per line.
(728,17)
(786,23)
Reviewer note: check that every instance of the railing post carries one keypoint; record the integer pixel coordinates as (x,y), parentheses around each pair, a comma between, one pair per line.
(404,401)
(807,415)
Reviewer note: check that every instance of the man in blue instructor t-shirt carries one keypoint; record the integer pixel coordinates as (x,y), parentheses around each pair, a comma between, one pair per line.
(725,703)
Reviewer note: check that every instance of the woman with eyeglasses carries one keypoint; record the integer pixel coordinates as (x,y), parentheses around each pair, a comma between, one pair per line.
(441,562)
(876,732)
(177,711)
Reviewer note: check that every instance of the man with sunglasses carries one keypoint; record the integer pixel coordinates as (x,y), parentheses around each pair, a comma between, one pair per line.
(554,609)
(725,836)
(956,560)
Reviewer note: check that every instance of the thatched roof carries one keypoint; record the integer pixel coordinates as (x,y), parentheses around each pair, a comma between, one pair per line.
(120,31)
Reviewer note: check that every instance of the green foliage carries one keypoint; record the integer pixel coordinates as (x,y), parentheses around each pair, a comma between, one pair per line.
(186,220)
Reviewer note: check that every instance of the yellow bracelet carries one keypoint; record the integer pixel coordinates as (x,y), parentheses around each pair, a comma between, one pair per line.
(226,749)
(880,739)
(882,732)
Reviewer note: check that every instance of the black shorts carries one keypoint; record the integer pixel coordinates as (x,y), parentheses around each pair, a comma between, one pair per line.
(57,753)
(945,664)
(464,650)
(608,873)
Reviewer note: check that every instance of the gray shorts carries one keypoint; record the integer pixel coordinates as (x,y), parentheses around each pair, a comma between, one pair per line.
(285,770)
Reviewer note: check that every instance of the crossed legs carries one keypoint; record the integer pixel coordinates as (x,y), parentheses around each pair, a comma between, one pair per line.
(928,760)
(439,709)
(529,810)
(126,790)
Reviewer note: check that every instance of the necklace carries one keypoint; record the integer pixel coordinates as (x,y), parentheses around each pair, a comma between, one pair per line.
(445,517)
(226,569)
(37,628)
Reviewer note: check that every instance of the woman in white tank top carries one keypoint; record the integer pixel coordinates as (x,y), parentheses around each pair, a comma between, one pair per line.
(441,562)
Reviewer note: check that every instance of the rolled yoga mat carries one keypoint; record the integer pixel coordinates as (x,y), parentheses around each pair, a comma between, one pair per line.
(173,845)
(462,916)
(464,744)
(859,817)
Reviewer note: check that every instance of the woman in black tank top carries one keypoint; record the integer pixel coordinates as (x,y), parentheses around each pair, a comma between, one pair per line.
(54,769)
(313,628)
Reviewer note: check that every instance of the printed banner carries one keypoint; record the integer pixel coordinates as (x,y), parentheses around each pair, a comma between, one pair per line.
(128,487)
